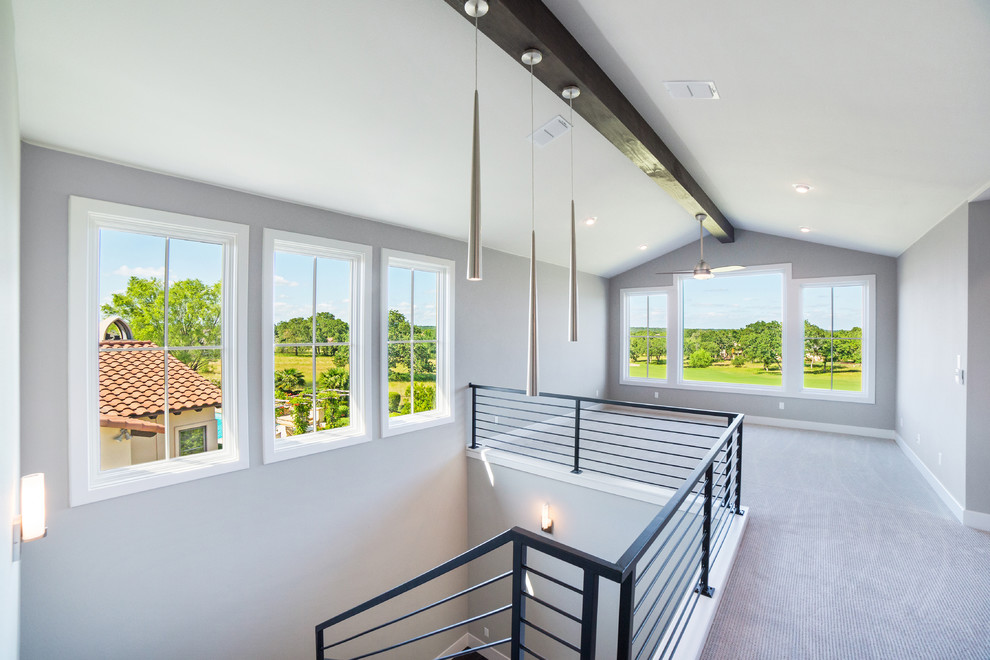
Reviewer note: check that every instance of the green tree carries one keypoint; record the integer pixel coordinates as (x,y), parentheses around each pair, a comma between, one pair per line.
(194,315)
(290,381)
(700,359)
(301,405)
(761,342)
(658,349)
(296,330)
(394,401)
(334,379)
(398,354)
(426,396)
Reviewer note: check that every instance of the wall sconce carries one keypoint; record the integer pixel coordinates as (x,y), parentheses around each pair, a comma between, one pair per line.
(30,525)
(546,522)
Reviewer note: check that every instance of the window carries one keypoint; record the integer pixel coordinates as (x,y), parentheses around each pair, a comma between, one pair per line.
(418,341)
(315,306)
(733,329)
(156,348)
(645,314)
(835,322)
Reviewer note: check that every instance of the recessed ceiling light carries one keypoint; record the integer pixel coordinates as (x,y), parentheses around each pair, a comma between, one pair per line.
(642,247)
(802,188)
(591,220)
(805,230)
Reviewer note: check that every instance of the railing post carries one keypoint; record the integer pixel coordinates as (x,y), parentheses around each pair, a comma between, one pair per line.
(727,473)
(319,644)
(518,602)
(589,615)
(739,443)
(577,437)
(703,587)
(474,417)
(627,588)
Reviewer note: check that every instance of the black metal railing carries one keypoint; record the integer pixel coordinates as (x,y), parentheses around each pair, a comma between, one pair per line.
(661,576)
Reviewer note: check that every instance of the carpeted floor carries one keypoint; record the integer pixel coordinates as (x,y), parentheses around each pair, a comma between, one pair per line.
(849,554)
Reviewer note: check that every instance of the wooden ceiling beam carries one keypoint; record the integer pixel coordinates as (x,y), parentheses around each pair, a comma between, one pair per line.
(516,25)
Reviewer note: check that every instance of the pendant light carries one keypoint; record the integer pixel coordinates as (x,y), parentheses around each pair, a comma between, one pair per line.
(476,9)
(570,93)
(531,58)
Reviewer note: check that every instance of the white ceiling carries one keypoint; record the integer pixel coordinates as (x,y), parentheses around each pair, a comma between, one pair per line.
(364,108)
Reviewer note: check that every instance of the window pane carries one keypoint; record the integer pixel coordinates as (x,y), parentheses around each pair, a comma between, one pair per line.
(637,356)
(333,386)
(193,398)
(293,304)
(732,329)
(399,303)
(425,308)
(817,305)
(131,273)
(847,368)
(818,363)
(657,367)
(195,273)
(192,441)
(638,318)
(658,315)
(848,315)
(424,378)
(398,379)
(132,406)
(333,300)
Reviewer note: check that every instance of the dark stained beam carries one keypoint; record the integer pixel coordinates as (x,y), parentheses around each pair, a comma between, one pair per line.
(515,25)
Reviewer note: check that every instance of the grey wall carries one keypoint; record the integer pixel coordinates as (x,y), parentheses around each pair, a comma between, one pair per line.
(10,167)
(978,380)
(244,564)
(932,323)
(596,522)
(808,260)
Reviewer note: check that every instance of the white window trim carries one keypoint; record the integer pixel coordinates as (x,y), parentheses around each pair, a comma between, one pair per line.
(279,449)
(87,483)
(868,346)
(443,414)
(624,377)
(792,376)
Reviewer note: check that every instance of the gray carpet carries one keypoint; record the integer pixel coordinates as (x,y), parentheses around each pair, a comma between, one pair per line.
(849,554)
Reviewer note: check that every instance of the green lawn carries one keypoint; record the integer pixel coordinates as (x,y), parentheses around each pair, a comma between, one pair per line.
(846,378)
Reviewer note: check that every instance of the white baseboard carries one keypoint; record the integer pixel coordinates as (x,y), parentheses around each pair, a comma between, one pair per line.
(977,520)
(868,431)
(466,640)
(954,506)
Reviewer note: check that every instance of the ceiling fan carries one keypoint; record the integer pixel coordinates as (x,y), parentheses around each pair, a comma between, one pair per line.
(702,271)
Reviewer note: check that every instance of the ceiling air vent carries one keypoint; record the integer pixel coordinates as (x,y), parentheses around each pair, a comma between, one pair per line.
(550,131)
(692,89)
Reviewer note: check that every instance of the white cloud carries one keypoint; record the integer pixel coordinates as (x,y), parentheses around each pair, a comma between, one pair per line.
(140,271)
(281,281)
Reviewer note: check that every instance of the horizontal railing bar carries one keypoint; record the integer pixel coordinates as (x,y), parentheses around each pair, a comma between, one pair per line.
(528,401)
(549,634)
(656,554)
(519,453)
(446,567)
(638,437)
(672,420)
(677,624)
(567,554)
(498,432)
(628,478)
(648,449)
(626,404)
(420,638)
(526,428)
(689,547)
(656,526)
(626,467)
(475,649)
(585,419)
(422,609)
(502,416)
(531,652)
(676,595)
(689,553)
(634,458)
(516,444)
(553,579)
(556,609)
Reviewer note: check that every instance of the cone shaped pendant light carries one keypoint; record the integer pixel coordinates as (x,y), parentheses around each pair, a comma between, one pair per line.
(475,9)
(570,93)
(531,58)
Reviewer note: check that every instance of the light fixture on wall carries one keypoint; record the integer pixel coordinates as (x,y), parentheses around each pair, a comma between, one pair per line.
(30,525)
(570,93)
(476,9)
(546,521)
(531,58)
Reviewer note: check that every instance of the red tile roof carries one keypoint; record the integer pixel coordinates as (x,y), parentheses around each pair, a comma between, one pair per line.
(132,383)
(131,424)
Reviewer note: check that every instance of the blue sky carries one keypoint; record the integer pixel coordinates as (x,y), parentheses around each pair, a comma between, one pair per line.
(294,280)
(125,254)
(848,311)
(729,301)
(401,288)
